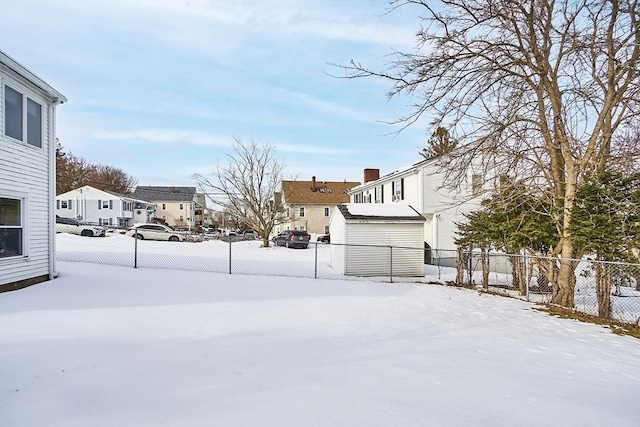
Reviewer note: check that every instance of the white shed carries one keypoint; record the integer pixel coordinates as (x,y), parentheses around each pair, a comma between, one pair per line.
(374,239)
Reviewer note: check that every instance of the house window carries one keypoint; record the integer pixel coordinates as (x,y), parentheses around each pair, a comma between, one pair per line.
(326,211)
(105,204)
(301,228)
(64,204)
(164,218)
(288,213)
(476,185)
(181,218)
(11,231)
(301,211)
(181,207)
(397,189)
(22,118)
(378,194)
(326,229)
(164,206)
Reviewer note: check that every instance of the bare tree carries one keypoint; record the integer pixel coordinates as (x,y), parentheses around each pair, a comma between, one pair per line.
(246,186)
(73,172)
(536,89)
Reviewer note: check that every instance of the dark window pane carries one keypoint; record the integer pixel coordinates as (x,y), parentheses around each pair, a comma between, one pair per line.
(34,123)
(10,242)
(12,113)
(9,212)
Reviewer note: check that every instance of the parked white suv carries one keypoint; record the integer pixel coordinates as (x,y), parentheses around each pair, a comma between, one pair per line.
(154,232)
(72,226)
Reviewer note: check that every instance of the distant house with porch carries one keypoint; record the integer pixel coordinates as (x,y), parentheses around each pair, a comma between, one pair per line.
(181,207)
(103,207)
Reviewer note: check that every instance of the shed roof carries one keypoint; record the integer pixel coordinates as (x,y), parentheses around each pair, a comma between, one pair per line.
(321,192)
(164,194)
(380,211)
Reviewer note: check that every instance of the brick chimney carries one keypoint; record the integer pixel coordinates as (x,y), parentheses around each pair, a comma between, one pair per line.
(313,183)
(371,175)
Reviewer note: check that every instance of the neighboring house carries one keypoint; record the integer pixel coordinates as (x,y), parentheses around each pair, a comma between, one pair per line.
(27,176)
(377,240)
(102,207)
(308,204)
(178,206)
(421,186)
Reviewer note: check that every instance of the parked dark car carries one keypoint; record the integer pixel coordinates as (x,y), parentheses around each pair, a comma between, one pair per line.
(325,238)
(292,239)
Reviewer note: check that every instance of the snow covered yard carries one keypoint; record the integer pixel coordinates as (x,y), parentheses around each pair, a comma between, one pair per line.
(116,346)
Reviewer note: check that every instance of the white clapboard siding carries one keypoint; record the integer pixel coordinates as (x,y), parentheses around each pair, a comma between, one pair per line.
(376,261)
(370,240)
(25,173)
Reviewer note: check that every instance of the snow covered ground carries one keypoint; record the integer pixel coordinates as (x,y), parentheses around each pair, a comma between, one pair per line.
(115,346)
(247,257)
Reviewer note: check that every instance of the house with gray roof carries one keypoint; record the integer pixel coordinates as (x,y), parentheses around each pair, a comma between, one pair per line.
(180,207)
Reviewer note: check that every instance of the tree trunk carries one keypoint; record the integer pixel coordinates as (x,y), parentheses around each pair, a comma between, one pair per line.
(515,279)
(485,268)
(603,289)
(522,281)
(566,280)
(460,267)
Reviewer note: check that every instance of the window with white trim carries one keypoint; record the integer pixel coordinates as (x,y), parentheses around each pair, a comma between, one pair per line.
(301,212)
(11,228)
(476,185)
(164,206)
(105,204)
(326,229)
(22,117)
(64,204)
(326,211)
(181,206)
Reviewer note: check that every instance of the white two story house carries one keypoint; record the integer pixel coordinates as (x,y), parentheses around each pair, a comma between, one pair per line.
(27,176)
(102,207)
(420,185)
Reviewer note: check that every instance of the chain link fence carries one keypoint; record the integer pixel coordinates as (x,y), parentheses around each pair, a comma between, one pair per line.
(604,289)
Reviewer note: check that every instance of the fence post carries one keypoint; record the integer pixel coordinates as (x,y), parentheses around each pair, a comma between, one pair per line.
(135,249)
(390,264)
(315,263)
(229,254)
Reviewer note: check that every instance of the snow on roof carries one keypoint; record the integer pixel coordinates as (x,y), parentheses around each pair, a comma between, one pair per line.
(379,211)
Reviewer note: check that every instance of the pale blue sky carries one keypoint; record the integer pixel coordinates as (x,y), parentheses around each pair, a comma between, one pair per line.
(161,88)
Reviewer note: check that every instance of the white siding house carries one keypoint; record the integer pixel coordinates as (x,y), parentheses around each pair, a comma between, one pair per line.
(421,186)
(27,176)
(100,207)
(375,240)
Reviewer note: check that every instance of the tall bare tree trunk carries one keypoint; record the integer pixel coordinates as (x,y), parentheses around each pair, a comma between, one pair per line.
(603,289)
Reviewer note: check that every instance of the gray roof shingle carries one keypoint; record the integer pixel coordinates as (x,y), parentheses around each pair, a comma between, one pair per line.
(164,194)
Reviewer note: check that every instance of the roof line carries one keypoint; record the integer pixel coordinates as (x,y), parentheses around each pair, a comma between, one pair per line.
(25,73)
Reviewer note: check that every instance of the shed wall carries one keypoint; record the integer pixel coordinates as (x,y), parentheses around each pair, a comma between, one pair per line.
(377,261)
